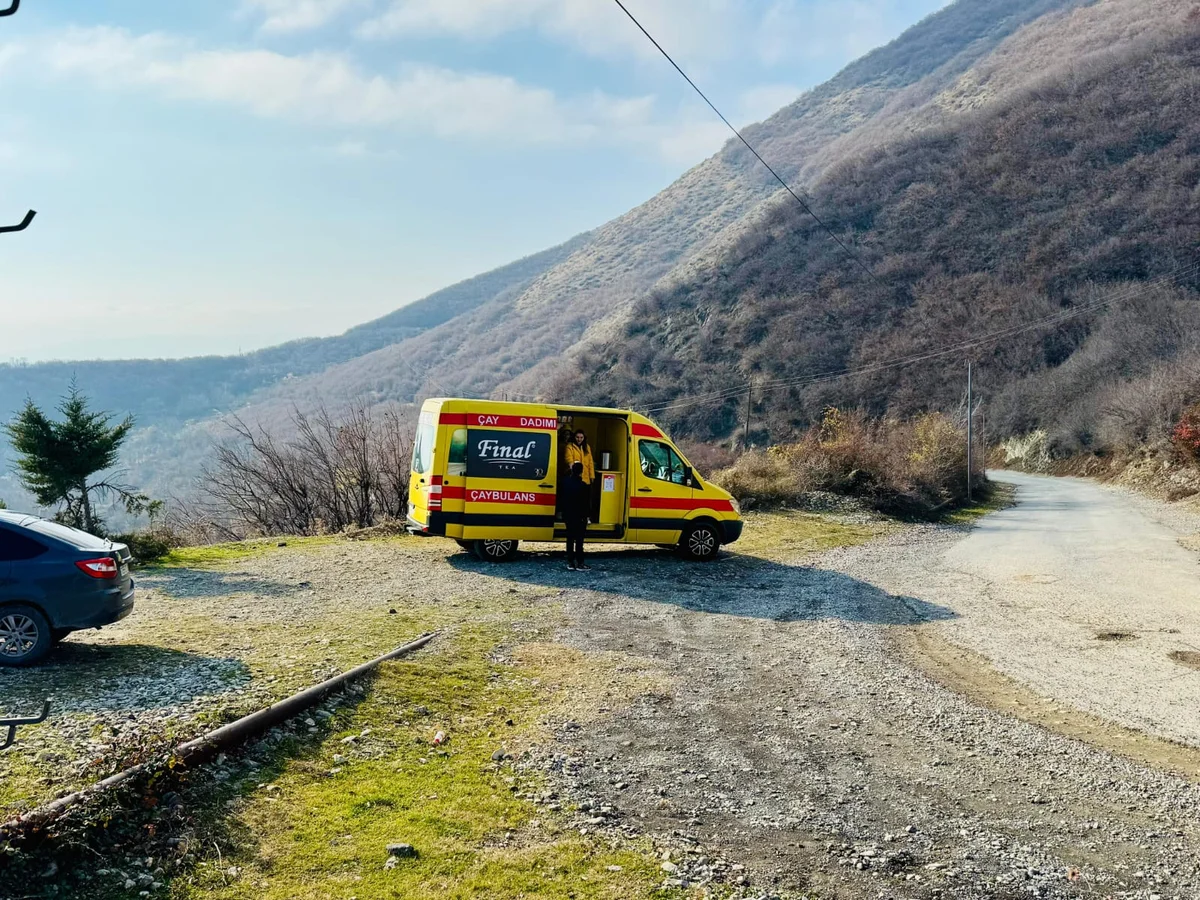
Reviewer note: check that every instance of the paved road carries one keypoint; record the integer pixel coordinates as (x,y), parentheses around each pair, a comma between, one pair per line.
(1079,593)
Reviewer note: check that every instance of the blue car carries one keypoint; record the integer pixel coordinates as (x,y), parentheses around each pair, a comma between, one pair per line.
(55,580)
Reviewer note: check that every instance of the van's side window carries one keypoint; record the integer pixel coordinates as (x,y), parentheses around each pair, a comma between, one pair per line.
(457,460)
(422,460)
(660,462)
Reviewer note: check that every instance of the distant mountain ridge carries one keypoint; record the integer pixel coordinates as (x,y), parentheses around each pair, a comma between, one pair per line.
(166,395)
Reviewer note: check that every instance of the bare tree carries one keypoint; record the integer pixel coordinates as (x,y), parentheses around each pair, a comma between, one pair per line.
(334,473)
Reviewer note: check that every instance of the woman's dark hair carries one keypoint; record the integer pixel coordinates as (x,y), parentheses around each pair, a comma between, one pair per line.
(578,431)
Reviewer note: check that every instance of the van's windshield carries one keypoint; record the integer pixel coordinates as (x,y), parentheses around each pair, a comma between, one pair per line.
(422,460)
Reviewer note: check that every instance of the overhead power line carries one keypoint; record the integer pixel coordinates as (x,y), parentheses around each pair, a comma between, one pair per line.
(787,187)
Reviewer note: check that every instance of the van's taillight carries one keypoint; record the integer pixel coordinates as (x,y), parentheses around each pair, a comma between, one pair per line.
(104,567)
(434,500)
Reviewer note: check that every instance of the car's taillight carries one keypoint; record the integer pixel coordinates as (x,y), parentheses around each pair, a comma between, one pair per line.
(104,567)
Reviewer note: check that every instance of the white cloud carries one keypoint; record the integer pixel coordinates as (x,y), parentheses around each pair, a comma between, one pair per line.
(352,149)
(329,89)
(698,30)
(282,16)
(9,54)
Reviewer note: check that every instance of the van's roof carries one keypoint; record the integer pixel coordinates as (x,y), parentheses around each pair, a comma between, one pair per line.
(459,404)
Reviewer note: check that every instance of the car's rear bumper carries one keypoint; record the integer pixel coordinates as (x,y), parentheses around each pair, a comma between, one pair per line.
(117,603)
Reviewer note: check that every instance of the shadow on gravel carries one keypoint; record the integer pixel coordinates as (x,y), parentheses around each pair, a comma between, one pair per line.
(94,677)
(191,584)
(734,585)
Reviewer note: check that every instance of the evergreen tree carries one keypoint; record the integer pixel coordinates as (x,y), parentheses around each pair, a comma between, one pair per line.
(59,460)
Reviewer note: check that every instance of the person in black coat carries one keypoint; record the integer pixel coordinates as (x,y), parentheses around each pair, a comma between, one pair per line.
(576,506)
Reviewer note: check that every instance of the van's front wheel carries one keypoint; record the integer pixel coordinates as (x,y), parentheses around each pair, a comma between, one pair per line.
(701,542)
(496,551)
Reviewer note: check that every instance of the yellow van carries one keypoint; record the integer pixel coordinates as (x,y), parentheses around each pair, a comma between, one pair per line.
(487,474)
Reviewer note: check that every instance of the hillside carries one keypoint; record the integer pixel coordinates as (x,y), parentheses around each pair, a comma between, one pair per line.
(1061,178)
(513,343)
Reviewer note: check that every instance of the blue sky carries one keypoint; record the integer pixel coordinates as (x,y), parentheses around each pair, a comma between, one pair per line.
(216,177)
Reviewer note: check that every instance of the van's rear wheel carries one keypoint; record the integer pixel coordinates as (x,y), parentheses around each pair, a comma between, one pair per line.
(701,542)
(496,551)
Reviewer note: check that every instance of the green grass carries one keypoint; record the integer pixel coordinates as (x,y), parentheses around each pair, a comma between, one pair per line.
(215,554)
(778,534)
(1000,496)
(322,833)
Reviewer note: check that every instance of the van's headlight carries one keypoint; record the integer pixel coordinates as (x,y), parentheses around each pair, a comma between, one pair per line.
(737,507)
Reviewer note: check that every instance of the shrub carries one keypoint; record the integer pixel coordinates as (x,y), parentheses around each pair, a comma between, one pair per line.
(707,458)
(763,476)
(1186,436)
(904,468)
(149,545)
(1030,453)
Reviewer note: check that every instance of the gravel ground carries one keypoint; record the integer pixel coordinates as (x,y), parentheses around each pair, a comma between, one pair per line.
(801,745)
(797,750)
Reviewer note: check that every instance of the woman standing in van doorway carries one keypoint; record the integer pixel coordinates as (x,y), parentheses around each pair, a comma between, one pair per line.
(578,451)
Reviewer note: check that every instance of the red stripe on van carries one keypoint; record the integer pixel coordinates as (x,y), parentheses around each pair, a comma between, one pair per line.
(640,430)
(679,503)
(476,495)
(519,498)
(452,419)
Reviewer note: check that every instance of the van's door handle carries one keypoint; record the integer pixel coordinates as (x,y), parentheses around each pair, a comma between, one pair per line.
(546,485)
(645,491)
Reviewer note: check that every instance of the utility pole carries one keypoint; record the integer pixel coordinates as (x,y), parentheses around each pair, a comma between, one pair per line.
(983,434)
(749,406)
(970,430)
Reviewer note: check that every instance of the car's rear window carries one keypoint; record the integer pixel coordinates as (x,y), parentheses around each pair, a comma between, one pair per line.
(68,535)
(15,547)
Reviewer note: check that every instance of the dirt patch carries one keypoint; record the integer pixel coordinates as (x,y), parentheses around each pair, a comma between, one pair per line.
(1115,636)
(971,675)
(1037,579)
(1189,658)
(1191,542)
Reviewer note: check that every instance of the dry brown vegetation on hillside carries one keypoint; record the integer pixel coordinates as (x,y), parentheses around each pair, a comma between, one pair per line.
(1083,187)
